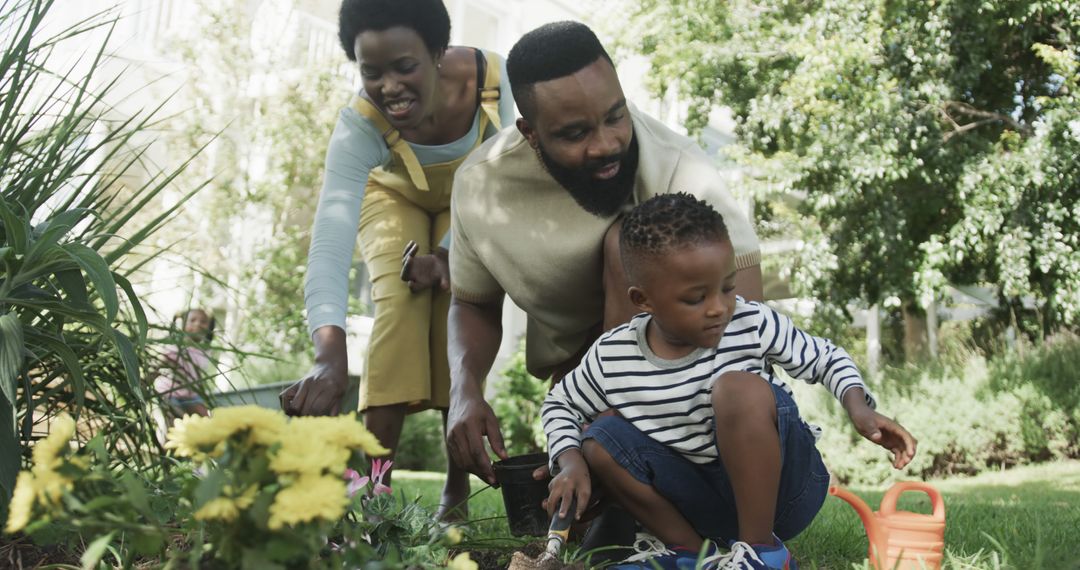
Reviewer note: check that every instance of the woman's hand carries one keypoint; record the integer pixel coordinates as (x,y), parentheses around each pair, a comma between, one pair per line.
(319,393)
(425,271)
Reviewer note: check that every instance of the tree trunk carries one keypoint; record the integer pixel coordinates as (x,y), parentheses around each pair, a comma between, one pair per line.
(915,337)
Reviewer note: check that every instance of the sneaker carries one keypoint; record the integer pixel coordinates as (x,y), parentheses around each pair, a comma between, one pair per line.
(650,553)
(742,556)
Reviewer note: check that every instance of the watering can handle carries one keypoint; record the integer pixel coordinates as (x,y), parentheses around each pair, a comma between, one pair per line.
(937,503)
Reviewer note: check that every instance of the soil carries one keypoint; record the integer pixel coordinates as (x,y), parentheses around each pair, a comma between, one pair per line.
(525,558)
(21,554)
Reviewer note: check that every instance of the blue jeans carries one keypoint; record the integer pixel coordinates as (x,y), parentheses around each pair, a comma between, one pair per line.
(702,493)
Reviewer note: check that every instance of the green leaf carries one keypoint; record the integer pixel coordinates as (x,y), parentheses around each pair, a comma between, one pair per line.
(67,357)
(16,231)
(136,307)
(131,362)
(11,354)
(209,488)
(52,230)
(96,551)
(98,271)
(73,283)
(10,450)
(135,492)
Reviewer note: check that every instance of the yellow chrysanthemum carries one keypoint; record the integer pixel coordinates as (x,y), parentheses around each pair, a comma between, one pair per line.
(22,503)
(220,509)
(302,452)
(196,436)
(453,535)
(247,497)
(263,425)
(309,498)
(50,485)
(463,562)
(48,450)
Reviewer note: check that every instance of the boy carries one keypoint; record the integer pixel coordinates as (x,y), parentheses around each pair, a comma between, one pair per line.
(706,441)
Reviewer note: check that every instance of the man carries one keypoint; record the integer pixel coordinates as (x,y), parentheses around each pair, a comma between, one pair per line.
(535,215)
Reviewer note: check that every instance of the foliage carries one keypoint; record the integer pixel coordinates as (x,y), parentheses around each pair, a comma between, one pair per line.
(265,492)
(516,403)
(72,327)
(969,417)
(271,121)
(921,151)
(422,446)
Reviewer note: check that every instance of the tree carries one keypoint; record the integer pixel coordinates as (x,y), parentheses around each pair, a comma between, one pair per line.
(883,114)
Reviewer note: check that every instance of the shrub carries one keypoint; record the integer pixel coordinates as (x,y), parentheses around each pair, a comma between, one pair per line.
(422,446)
(517,402)
(979,415)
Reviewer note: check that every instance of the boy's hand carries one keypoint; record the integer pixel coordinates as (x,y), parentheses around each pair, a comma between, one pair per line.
(572,481)
(885,432)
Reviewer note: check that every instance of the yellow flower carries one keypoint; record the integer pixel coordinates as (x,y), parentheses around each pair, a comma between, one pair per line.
(48,450)
(453,535)
(22,503)
(462,562)
(50,485)
(221,509)
(198,436)
(310,497)
(318,445)
(247,497)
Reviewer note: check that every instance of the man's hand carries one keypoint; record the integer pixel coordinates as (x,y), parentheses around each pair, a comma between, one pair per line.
(885,432)
(468,421)
(319,393)
(572,482)
(425,271)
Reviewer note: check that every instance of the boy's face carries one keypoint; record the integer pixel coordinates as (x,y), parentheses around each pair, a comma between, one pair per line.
(690,292)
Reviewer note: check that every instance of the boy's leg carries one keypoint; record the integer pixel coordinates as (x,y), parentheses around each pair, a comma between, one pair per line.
(783,497)
(749,445)
(642,501)
(677,500)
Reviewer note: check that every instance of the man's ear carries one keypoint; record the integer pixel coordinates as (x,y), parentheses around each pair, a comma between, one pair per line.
(639,299)
(527,131)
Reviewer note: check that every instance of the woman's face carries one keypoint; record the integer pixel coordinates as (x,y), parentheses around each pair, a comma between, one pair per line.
(399,74)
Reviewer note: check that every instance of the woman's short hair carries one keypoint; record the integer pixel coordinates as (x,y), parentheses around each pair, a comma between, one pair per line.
(428,18)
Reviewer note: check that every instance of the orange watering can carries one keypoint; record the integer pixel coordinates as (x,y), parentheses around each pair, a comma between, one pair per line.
(901,540)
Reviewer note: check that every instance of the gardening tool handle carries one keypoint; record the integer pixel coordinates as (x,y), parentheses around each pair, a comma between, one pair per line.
(937,503)
(560,528)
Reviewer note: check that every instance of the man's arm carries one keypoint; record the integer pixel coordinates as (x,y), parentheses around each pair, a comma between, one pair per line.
(474,335)
(748,284)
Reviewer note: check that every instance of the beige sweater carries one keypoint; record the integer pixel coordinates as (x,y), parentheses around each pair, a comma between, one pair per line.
(518,232)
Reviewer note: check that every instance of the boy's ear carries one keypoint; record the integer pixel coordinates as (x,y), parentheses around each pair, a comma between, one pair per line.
(640,299)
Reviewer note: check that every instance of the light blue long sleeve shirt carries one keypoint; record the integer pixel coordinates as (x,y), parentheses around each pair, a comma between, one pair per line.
(356,147)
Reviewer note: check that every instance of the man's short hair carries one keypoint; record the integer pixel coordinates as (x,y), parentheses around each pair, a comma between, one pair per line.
(428,18)
(549,52)
(665,223)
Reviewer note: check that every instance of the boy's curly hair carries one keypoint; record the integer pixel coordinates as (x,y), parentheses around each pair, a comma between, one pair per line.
(664,223)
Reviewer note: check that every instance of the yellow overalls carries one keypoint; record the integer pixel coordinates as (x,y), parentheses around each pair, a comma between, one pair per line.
(406,356)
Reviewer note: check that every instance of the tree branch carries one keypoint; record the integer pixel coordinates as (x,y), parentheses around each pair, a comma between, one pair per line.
(987,117)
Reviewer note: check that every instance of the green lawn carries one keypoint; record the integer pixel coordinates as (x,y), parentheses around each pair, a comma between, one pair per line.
(1023,518)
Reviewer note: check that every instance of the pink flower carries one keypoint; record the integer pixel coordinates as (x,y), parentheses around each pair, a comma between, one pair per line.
(355,482)
(379,469)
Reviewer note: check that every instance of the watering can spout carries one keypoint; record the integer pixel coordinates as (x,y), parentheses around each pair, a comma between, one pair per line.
(869,519)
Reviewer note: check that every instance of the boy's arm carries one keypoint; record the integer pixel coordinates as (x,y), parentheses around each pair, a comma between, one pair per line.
(884,431)
(809,358)
(577,399)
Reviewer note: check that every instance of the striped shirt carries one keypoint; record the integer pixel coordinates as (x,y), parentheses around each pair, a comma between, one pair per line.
(670,400)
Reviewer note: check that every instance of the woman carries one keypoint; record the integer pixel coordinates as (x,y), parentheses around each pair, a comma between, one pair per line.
(424,106)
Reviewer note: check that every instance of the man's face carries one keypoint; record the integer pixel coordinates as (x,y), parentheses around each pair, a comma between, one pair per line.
(582,132)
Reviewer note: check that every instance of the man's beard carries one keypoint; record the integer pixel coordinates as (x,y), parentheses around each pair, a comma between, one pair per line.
(601,198)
